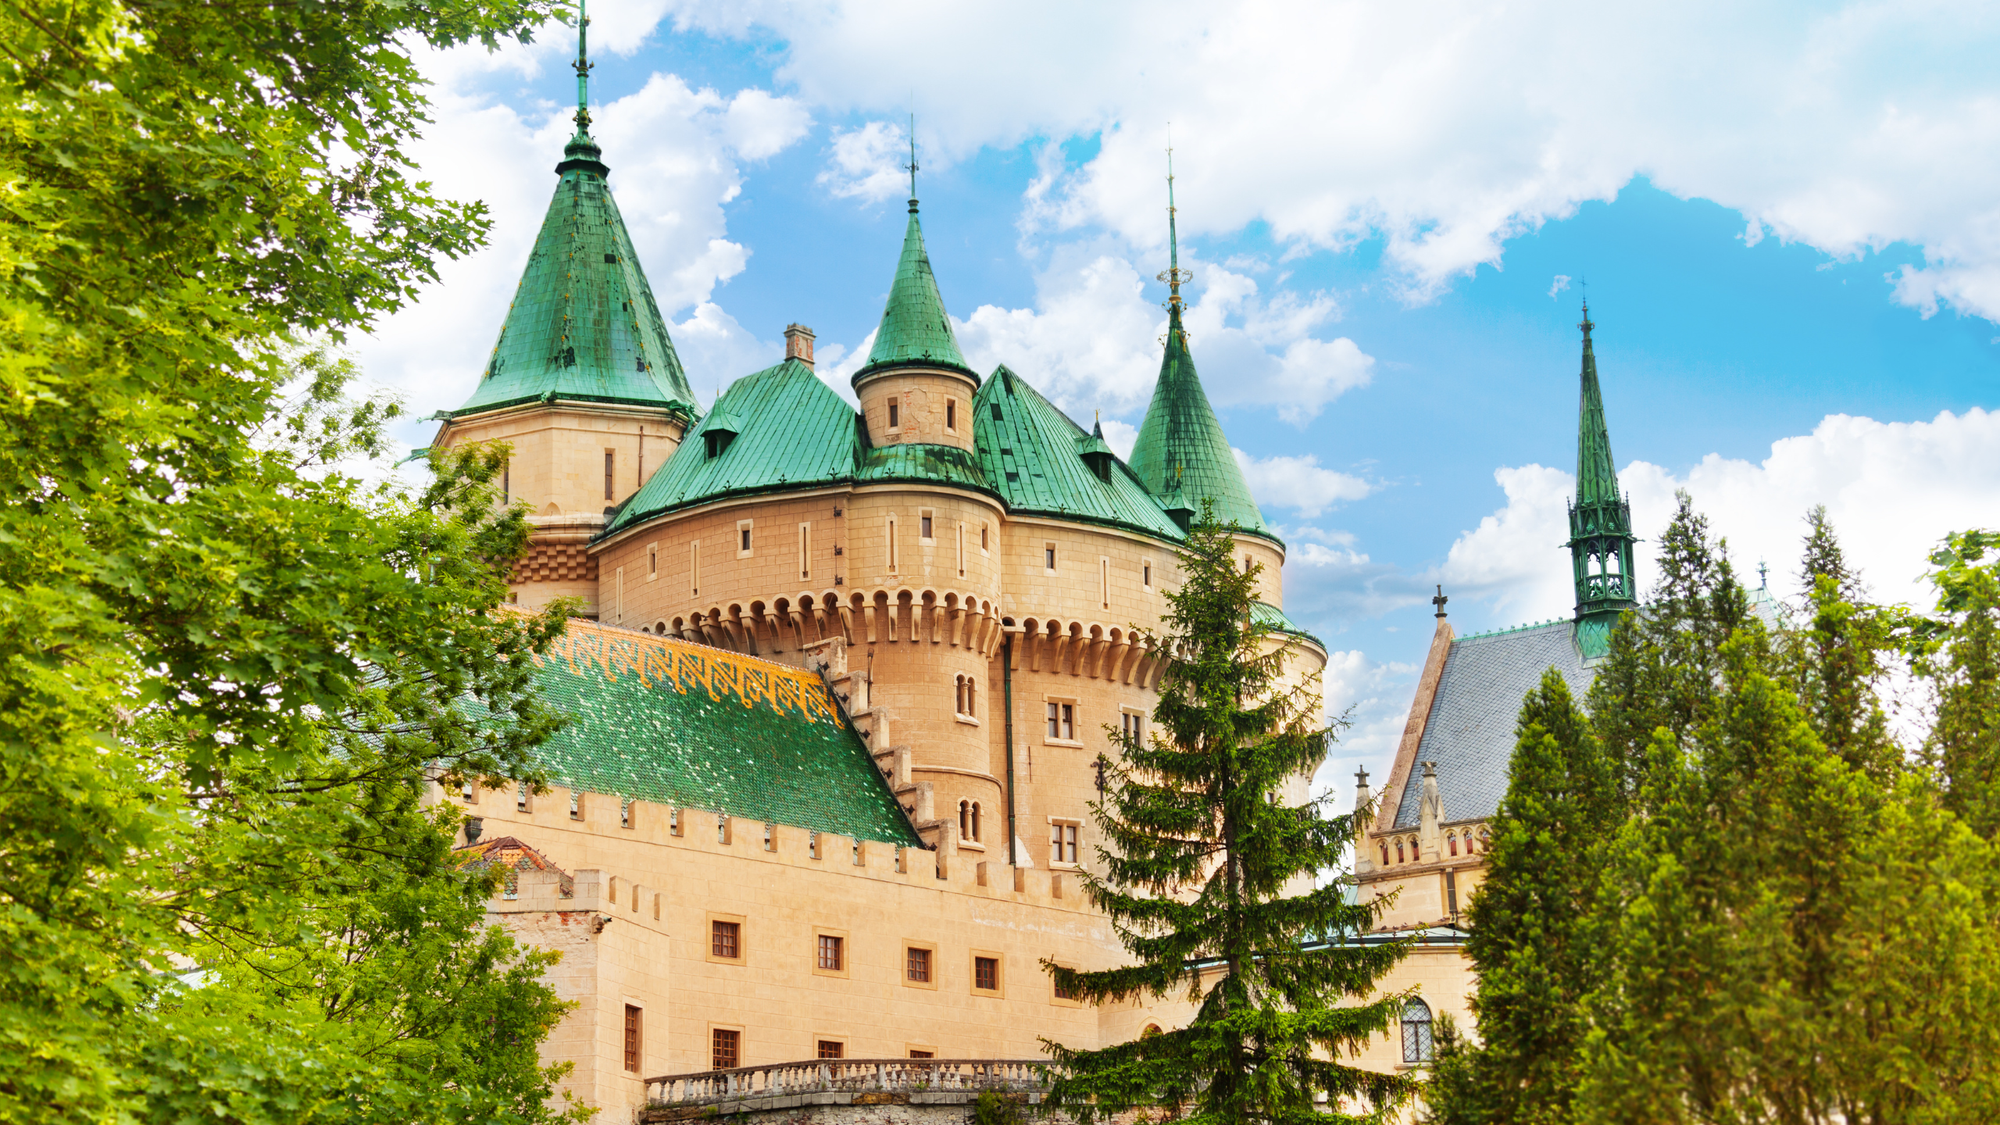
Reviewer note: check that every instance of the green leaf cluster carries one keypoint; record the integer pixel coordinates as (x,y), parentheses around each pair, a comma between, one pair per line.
(1725,891)
(1208,880)
(228,667)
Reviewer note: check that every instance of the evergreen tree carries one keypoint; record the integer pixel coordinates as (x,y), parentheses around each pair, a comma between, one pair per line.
(1962,662)
(1208,881)
(1535,940)
(1837,659)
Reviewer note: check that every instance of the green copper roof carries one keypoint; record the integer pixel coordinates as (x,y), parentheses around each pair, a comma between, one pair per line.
(692,727)
(915,330)
(1033,455)
(583,324)
(1596,474)
(923,464)
(1181,444)
(1264,615)
(791,431)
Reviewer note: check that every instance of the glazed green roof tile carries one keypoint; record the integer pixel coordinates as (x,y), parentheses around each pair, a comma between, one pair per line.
(792,431)
(1264,615)
(1181,444)
(696,728)
(1033,455)
(925,464)
(915,332)
(583,324)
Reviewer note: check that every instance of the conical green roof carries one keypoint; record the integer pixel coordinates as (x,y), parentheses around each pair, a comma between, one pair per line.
(1596,475)
(915,332)
(1181,446)
(583,325)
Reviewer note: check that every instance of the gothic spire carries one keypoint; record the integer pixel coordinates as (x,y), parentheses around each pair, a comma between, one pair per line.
(1600,519)
(915,332)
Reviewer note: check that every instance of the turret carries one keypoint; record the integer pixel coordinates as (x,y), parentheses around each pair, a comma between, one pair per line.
(583,383)
(916,386)
(1600,520)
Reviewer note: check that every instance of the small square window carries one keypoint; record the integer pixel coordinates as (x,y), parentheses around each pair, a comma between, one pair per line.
(725,1049)
(725,940)
(986,974)
(917,965)
(832,1049)
(831,956)
(1062,721)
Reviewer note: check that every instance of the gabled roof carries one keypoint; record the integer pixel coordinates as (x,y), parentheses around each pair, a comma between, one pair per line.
(1182,447)
(915,332)
(1470,732)
(694,727)
(583,324)
(792,431)
(1032,453)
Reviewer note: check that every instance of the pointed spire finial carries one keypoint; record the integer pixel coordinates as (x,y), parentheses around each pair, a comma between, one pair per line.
(1174,275)
(912,165)
(583,66)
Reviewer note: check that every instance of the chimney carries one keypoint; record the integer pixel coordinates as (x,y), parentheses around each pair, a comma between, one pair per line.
(799,343)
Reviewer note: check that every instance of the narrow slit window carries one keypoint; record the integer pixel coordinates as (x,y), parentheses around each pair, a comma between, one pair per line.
(951,414)
(610,462)
(632,1038)
(805,550)
(1049,557)
(895,415)
(694,567)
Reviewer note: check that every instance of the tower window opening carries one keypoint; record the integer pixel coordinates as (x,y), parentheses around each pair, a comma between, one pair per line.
(1385,855)
(951,414)
(895,415)
(610,462)
(975,821)
(1451,838)
(1399,851)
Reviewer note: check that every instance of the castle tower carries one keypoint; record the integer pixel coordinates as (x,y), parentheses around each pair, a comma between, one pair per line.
(916,387)
(1600,521)
(1181,454)
(583,382)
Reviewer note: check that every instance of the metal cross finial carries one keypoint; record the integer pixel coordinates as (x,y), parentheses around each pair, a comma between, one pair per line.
(1763,575)
(912,165)
(583,65)
(1174,275)
(1439,601)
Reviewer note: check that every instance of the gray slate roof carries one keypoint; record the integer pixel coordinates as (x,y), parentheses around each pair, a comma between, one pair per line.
(1470,733)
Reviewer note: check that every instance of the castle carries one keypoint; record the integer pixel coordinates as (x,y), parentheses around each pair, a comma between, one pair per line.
(843,681)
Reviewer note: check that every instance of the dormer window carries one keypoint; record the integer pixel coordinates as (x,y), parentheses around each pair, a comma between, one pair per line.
(719,431)
(717,442)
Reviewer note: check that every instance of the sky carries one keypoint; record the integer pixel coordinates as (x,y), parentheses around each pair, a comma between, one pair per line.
(1785,217)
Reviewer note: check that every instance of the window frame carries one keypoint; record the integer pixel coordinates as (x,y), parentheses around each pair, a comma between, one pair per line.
(822,935)
(932,967)
(805,549)
(999,989)
(715,1039)
(739,934)
(1063,721)
(1048,558)
(653,562)
(1419,1035)
(635,1038)
(927,527)
(744,540)
(1065,832)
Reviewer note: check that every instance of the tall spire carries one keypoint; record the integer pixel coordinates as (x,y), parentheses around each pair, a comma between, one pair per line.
(1600,519)
(583,325)
(915,332)
(1182,456)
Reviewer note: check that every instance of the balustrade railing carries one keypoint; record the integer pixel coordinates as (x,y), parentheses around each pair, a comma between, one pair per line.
(901,1076)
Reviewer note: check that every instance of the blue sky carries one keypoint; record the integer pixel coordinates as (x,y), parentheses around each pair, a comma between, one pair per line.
(1785,219)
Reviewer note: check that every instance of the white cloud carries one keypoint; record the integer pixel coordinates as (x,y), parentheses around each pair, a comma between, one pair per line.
(1375,699)
(1891,489)
(1121,437)
(1455,126)
(1560,283)
(1298,483)
(675,154)
(867,163)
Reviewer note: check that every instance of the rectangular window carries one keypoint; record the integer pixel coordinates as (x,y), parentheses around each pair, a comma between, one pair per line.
(1062,721)
(961,549)
(895,414)
(632,1043)
(917,965)
(770,837)
(609,458)
(1049,557)
(985,544)
(805,550)
(892,544)
(618,595)
(576,806)
(725,1049)
(926,526)
(625,812)
(743,538)
(812,844)
(521,798)
(830,953)
(1133,725)
(1104,582)
(986,974)
(652,561)
(914,1053)
(694,567)
(1146,574)
(1062,842)
(1064,993)
(725,940)
(507,485)
(674,821)
(721,829)
(951,414)
(468,792)
(832,1049)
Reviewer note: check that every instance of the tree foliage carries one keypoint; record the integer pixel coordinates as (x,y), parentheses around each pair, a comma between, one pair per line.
(1208,881)
(225,663)
(1793,918)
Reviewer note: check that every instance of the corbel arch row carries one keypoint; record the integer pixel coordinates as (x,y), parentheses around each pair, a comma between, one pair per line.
(1085,649)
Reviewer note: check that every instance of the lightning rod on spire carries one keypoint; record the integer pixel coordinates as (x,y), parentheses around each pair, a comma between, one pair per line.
(912,165)
(583,66)
(1174,275)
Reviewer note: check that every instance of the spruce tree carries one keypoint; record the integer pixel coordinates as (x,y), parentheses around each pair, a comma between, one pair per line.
(1209,884)
(1535,940)
(1963,664)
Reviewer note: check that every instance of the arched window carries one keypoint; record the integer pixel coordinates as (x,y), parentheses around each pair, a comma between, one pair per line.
(975,820)
(1385,855)
(1399,851)
(970,702)
(1485,841)
(1452,839)
(1416,1032)
(965,820)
